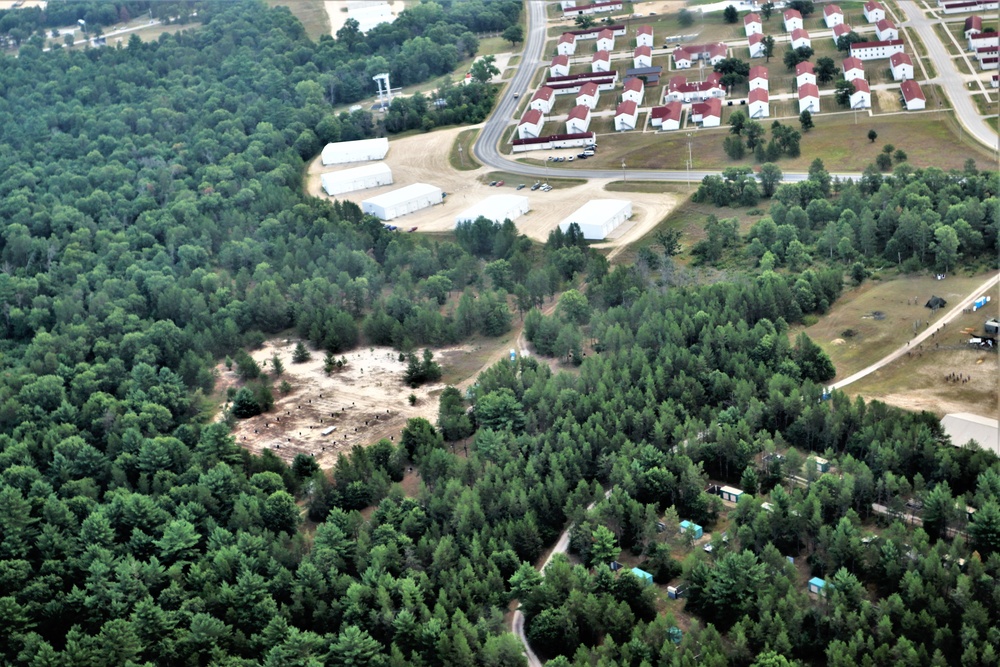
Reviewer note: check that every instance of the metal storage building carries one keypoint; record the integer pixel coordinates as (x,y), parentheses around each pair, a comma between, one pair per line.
(496,208)
(357,178)
(343,152)
(645,577)
(693,528)
(410,199)
(731,494)
(817,586)
(599,217)
(964,426)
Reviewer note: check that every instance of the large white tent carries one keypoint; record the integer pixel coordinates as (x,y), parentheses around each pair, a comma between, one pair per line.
(357,178)
(496,208)
(343,152)
(964,426)
(598,217)
(370,14)
(399,202)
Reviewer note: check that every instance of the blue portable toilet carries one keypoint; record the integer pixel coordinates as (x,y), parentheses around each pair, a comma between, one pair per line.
(817,585)
(615,566)
(693,528)
(645,577)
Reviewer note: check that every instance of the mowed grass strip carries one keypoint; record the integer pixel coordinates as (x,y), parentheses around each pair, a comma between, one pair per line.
(929,139)
(463,160)
(310,13)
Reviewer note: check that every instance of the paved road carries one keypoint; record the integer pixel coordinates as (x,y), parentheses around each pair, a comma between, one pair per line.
(948,76)
(924,335)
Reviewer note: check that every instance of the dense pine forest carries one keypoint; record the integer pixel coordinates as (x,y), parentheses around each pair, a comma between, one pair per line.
(154,223)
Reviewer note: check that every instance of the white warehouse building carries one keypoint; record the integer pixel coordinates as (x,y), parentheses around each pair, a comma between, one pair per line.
(357,178)
(599,217)
(496,208)
(410,199)
(362,150)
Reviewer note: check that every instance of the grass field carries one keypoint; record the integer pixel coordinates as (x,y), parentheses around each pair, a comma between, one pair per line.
(311,13)
(854,339)
(463,160)
(929,140)
(513,180)
(688,217)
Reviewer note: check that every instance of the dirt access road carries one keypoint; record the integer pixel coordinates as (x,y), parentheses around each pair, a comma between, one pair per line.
(423,158)
(922,336)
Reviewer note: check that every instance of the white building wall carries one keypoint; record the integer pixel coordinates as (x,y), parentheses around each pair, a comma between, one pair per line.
(343,152)
(358,178)
(403,201)
(497,208)
(599,217)
(759,109)
(861,100)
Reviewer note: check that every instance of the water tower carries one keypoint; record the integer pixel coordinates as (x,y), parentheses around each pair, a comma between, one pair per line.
(383,97)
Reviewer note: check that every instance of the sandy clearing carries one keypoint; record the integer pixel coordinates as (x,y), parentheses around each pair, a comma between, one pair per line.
(424,159)
(9,4)
(336,10)
(369,389)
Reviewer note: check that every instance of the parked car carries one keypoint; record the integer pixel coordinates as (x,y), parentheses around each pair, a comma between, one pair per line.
(552,158)
(535,186)
(521,186)
(582,156)
(413,229)
(588,152)
(499,184)
(570,158)
(492,183)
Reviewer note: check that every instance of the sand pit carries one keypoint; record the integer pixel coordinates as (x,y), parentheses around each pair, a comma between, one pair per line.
(337,11)
(365,402)
(424,159)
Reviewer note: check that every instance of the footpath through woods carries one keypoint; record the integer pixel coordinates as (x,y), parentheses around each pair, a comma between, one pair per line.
(517,622)
(921,337)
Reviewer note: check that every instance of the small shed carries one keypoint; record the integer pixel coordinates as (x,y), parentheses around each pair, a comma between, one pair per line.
(730,494)
(328,430)
(694,528)
(675,592)
(645,577)
(992,326)
(822,465)
(817,585)
(935,302)
(615,566)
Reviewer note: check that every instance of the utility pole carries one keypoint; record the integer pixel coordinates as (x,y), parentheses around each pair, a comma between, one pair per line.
(624,178)
(690,163)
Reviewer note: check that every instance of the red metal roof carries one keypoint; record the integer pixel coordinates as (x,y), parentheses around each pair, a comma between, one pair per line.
(792,14)
(808,90)
(751,18)
(643,51)
(829,10)
(607,33)
(755,38)
(873,5)
(853,63)
(532,117)
(626,108)
(841,30)
(759,95)
(861,86)
(974,23)
(897,59)
(804,68)
(601,55)
(911,90)
(669,111)
(567,37)
(580,111)
(590,89)
(758,72)
(868,45)
(644,30)
(883,24)
(799,33)
(543,93)
(560,60)
(634,84)
(710,107)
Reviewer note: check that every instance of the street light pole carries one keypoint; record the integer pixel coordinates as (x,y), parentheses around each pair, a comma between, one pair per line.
(461,156)
(624,177)
(690,160)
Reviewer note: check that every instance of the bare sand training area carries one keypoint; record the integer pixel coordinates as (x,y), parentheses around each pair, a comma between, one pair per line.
(364,402)
(424,159)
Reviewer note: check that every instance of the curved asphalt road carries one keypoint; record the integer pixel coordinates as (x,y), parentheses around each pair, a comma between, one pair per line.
(486,147)
(948,76)
(922,336)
